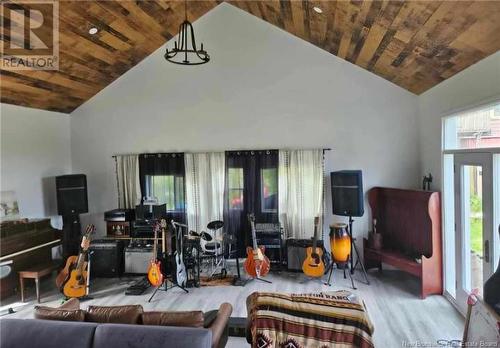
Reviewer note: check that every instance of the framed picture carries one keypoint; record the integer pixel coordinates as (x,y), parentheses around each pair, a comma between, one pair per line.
(9,209)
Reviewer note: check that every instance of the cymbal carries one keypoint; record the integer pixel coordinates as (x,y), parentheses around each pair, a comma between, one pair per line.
(215,225)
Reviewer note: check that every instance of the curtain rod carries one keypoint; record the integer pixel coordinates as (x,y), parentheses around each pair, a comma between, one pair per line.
(129,154)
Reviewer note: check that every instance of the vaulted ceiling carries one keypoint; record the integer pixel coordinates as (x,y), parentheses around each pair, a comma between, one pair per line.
(414,44)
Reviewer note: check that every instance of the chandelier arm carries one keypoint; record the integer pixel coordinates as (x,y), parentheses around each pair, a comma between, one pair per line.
(186,27)
(181,38)
(193,40)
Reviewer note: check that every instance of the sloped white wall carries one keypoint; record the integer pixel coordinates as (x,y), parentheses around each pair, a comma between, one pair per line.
(35,147)
(263,88)
(477,84)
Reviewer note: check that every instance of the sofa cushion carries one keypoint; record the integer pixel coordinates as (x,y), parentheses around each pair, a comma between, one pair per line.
(48,313)
(174,318)
(115,314)
(72,303)
(141,336)
(15,333)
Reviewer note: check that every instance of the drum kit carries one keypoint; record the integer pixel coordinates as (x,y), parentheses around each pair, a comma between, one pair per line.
(213,246)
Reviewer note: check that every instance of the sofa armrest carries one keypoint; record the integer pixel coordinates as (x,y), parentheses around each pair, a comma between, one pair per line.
(219,325)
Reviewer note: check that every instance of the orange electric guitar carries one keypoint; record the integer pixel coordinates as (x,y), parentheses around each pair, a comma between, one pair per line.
(155,276)
(257,264)
(313,265)
(72,280)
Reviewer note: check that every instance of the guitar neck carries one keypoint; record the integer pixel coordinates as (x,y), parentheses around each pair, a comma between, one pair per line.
(155,245)
(254,236)
(315,239)
(80,261)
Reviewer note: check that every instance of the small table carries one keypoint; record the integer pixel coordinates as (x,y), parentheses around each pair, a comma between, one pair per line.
(36,273)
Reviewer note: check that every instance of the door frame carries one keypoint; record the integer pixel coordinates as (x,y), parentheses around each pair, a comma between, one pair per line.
(495,246)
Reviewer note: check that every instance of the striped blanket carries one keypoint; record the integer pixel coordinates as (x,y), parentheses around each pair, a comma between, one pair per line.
(329,319)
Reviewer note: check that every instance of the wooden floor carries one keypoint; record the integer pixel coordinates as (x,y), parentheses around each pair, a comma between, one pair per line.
(395,309)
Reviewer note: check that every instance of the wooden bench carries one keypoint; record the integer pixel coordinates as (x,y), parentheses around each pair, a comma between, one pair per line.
(36,273)
(410,224)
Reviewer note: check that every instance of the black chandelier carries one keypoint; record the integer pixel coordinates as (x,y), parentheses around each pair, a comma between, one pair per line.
(182,53)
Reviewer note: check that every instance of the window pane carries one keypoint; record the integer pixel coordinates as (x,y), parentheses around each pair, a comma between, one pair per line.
(236,199)
(475,129)
(235,178)
(236,186)
(166,189)
(269,192)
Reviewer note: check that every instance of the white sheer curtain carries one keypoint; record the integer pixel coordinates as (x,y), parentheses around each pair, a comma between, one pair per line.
(204,188)
(127,177)
(300,191)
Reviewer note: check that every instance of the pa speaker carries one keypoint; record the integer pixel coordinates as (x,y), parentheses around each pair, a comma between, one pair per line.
(71,194)
(347,193)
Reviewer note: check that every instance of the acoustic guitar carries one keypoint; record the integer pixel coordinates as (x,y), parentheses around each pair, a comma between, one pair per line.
(313,265)
(72,280)
(155,275)
(256,264)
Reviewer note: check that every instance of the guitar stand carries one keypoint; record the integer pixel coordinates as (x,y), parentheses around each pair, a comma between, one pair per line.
(258,278)
(166,288)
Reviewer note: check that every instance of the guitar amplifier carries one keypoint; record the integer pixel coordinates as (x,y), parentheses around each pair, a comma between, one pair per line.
(106,258)
(296,252)
(137,259)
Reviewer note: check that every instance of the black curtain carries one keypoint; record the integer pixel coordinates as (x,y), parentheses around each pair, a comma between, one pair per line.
(251,186)
(165,172)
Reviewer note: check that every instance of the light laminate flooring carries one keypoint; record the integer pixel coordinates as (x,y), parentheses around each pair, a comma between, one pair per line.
(400,317)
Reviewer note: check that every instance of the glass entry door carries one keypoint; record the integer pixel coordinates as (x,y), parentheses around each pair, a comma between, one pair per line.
(473,222)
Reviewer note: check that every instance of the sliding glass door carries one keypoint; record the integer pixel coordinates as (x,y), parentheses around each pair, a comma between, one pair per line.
(471,200)
(474,222)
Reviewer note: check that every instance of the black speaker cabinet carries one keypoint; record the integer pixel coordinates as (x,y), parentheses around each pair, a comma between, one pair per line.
(347,193)
(106,258)
(71,194)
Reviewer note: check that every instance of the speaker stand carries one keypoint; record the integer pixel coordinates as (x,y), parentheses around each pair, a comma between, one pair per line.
(71,235)
(353,246)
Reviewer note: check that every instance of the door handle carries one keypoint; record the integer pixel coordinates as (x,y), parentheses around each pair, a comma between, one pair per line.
(487,251)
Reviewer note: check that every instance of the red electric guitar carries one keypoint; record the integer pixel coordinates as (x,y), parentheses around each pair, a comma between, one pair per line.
(257,264)
(155,276)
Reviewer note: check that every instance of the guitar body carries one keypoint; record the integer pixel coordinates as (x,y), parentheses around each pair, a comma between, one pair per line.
(257,264)
(72,280)
(155,275)
(313,265)
(180,270)
(63,275)
(76,285)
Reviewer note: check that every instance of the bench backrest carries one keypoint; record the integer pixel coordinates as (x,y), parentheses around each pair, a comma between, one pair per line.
(407,219)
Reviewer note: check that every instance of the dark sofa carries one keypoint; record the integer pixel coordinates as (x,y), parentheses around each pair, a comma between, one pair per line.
(15,333)
(116,326)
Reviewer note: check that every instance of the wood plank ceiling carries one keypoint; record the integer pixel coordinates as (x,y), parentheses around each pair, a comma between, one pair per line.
(414,44)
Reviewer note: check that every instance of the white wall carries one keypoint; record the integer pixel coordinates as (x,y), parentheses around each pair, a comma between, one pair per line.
(476,84)
(263,88)
(35,147)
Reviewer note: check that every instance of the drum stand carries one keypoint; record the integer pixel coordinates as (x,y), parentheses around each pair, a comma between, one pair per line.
(350,265)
